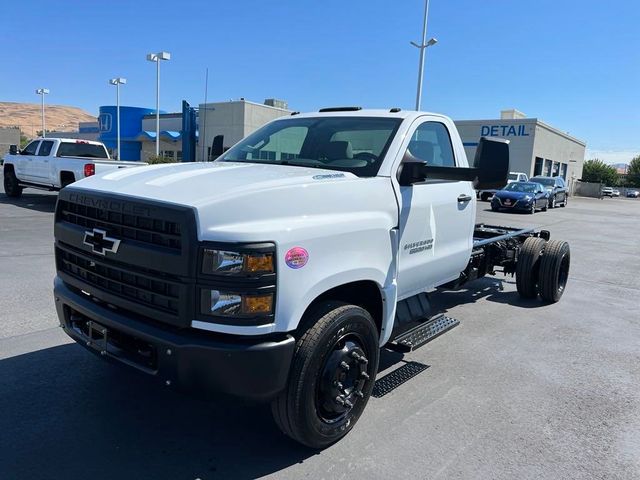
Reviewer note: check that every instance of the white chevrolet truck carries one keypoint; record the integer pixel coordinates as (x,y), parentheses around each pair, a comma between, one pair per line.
(54,163)
(279,271)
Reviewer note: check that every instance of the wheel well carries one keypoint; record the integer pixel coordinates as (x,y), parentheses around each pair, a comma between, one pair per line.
(365,294)
(8,168)
(67,176)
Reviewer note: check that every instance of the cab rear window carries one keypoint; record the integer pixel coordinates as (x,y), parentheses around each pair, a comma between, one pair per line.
(87,150)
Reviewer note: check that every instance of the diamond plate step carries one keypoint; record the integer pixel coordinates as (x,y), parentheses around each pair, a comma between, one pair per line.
(423,333)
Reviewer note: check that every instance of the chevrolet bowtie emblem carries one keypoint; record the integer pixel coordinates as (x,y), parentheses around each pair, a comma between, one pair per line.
(99,242)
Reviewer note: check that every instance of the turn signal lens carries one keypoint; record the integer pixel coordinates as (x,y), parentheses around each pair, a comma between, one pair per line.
(258,263)
(224,262)
(257,304)
(217,303)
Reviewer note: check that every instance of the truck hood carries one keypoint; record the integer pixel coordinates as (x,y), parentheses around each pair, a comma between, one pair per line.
(247,201)
(199,184)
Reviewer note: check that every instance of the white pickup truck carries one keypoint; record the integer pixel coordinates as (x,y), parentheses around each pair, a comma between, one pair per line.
(54,163)
(280,270)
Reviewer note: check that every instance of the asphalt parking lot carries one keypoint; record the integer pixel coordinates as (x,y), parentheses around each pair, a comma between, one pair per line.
(519,390)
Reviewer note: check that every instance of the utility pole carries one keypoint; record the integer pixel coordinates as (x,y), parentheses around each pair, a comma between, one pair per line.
(422,47)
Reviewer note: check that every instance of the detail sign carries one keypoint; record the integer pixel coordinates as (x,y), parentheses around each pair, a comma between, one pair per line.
(503,131)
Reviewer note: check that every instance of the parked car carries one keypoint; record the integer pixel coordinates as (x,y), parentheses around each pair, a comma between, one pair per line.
(633,194)
(523,196)
(54,163)
(616,192)
(607,192)
(557,189)
(485,195)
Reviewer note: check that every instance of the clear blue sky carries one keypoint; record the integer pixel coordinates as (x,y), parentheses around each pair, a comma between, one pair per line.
(574,64)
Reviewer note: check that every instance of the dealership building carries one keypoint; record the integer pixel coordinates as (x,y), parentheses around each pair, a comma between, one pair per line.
(535,147)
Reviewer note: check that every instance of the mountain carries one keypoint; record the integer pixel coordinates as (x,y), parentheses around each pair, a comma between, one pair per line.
(28,116)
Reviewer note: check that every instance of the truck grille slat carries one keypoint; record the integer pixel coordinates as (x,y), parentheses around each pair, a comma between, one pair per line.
(157,232)
(159,294)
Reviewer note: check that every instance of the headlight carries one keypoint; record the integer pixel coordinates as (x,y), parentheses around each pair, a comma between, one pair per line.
(225,262)
(217,303)
(527,198)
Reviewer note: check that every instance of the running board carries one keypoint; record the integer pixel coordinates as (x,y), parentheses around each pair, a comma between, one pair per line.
(423,333)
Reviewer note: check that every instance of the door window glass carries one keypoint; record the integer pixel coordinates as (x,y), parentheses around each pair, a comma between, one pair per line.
(45,148)
(31,148)
(431,143)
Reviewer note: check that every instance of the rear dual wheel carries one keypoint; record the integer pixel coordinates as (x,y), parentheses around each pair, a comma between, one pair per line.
(332,375)
(554,270)
(542,269)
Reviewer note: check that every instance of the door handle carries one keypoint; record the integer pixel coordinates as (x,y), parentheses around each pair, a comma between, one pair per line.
(464,198)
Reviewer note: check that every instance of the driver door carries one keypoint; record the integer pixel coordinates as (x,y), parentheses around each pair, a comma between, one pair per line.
(25,166)
(437,217)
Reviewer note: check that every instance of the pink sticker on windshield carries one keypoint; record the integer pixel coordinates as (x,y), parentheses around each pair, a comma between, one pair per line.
(296,257)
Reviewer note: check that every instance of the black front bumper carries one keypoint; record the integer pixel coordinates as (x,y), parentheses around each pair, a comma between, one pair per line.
(188,359)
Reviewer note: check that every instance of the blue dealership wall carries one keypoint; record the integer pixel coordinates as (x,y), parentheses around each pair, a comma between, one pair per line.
(130,127)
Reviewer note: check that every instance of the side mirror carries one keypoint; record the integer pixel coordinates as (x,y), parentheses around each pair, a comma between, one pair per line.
(489,172)
(492,163)
(13,150)
(217,147)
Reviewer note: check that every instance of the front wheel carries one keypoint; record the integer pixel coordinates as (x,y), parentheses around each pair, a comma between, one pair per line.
(332,375)
(566,199)
(552,202)
(11,186)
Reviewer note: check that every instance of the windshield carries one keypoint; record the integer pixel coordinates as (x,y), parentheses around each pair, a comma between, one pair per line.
(521,187)
(348,144)
(547,182)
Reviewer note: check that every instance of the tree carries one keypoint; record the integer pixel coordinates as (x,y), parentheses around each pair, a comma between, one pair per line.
(596,171)
(633,172)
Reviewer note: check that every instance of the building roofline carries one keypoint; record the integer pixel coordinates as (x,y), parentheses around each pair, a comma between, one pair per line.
(249,102)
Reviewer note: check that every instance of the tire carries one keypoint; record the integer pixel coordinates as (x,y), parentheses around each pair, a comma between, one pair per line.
(11,186)
(528,266)
(546,206)
(485,196)
(552,202)
(566,199)
(554,270)
(533,208)
(494,209)
(307,410)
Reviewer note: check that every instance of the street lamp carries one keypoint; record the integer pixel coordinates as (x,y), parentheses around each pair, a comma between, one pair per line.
(42,92)
(117,82)
(423,46)
(156,57)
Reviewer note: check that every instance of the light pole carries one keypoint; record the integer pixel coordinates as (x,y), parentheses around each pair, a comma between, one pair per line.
(42,92)
(156,57)
(423,46)
(117,82)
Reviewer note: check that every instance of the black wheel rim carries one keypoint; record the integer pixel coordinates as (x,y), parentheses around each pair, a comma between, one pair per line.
(563,274)
(343,378)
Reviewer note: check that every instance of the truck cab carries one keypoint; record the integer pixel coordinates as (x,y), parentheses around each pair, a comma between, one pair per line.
(278,271)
